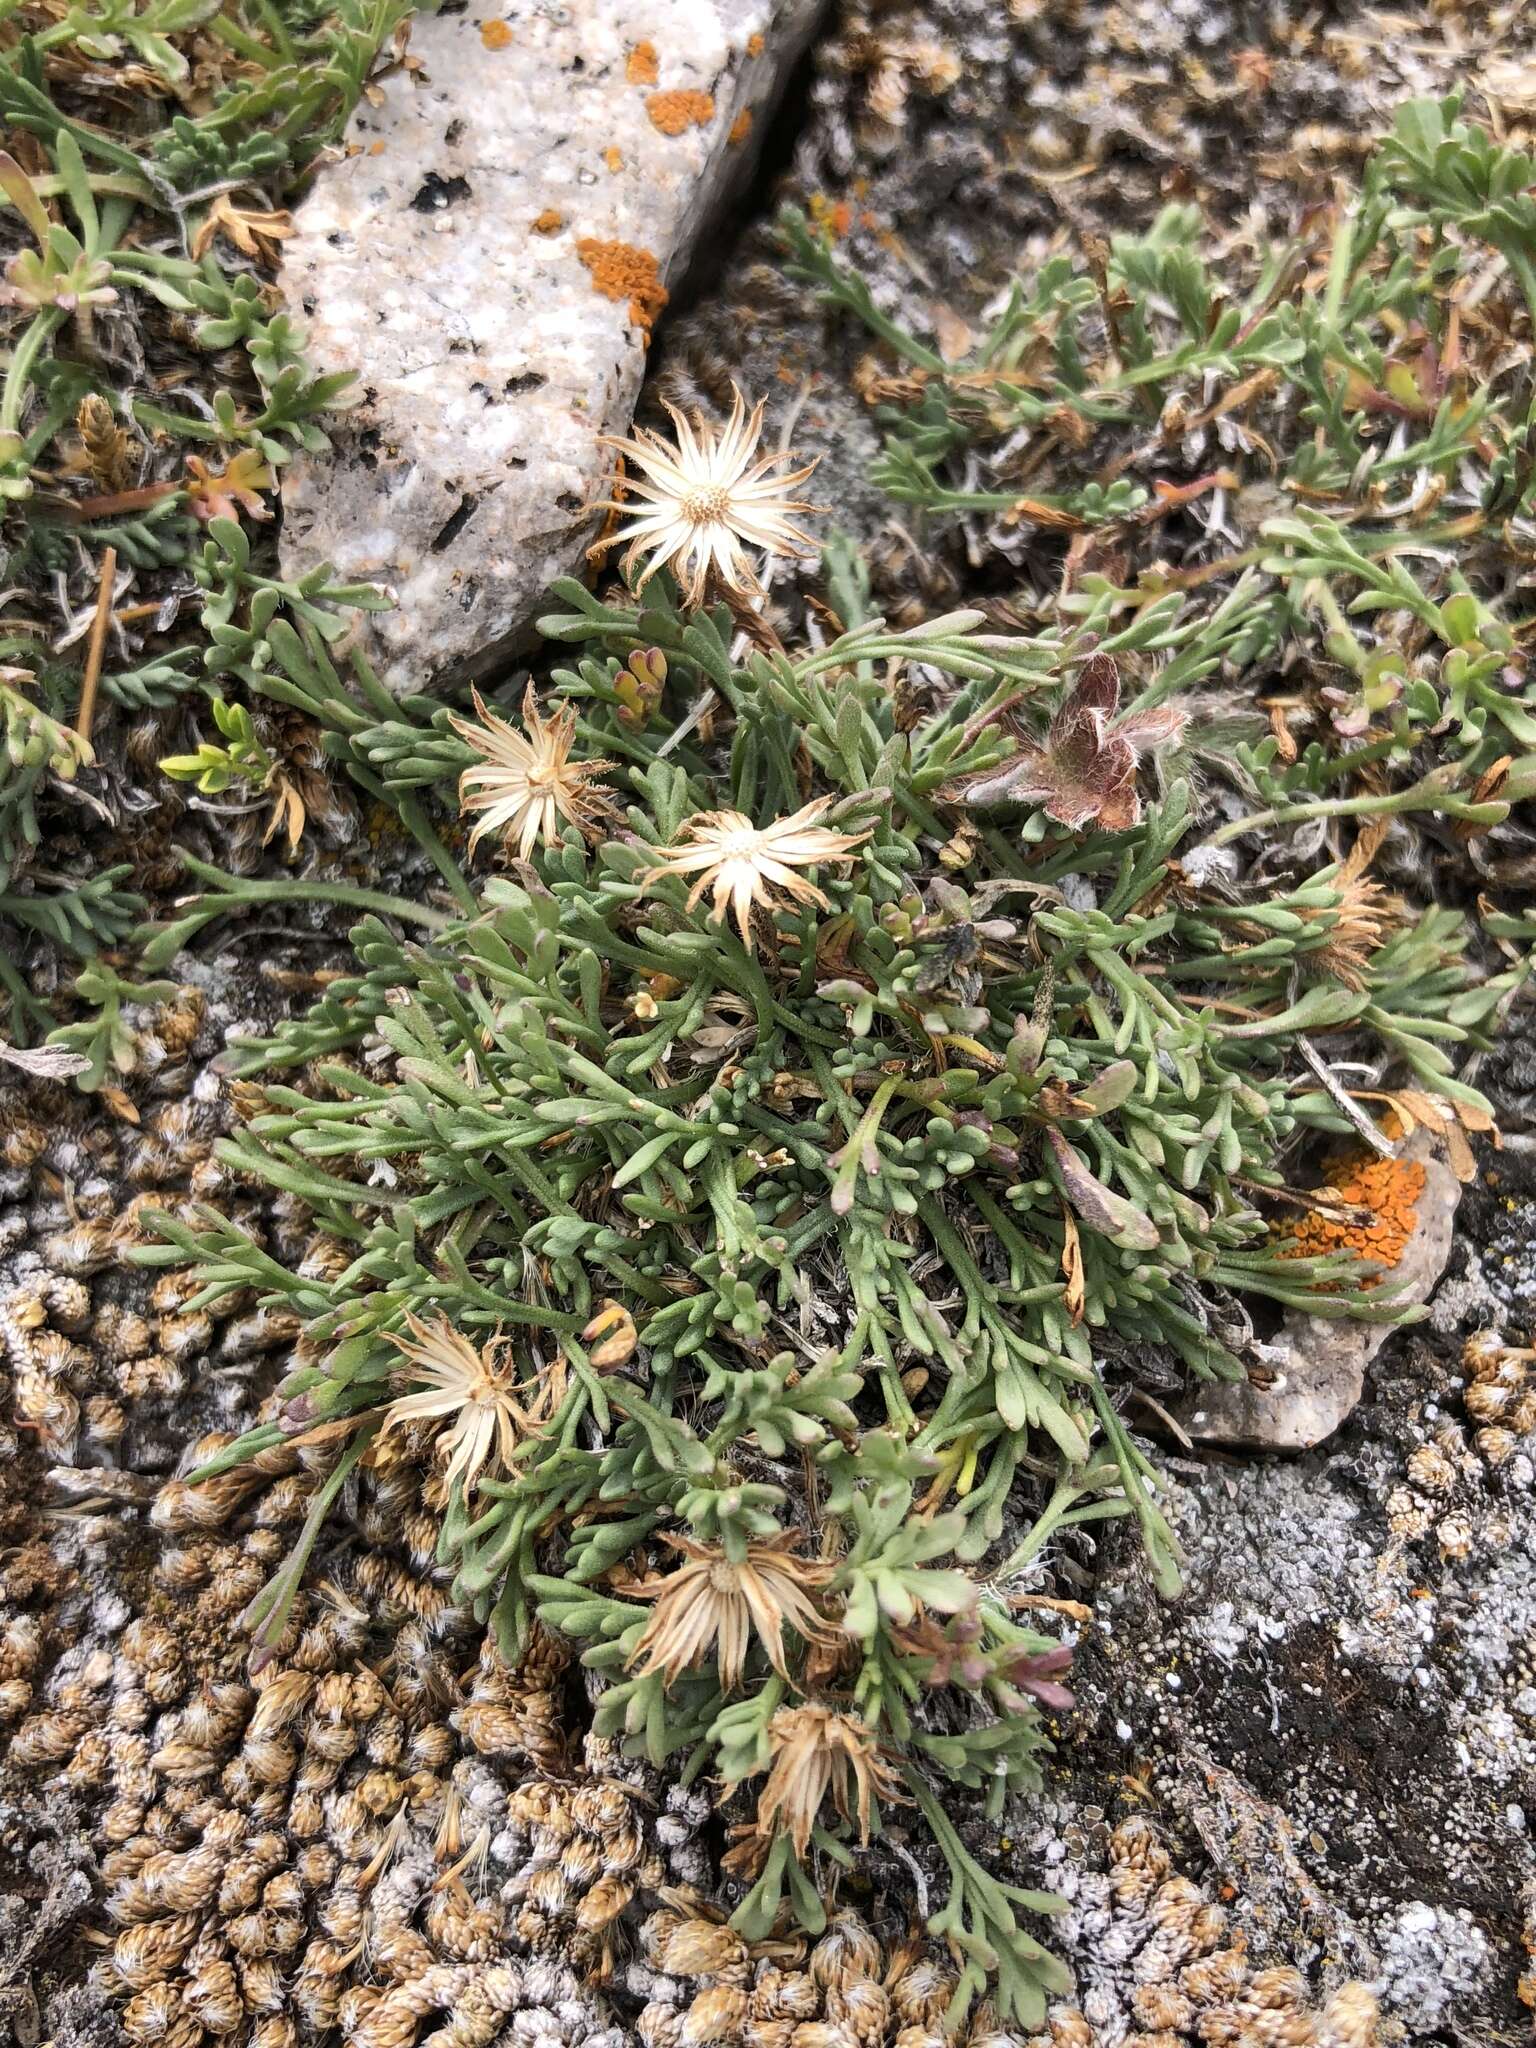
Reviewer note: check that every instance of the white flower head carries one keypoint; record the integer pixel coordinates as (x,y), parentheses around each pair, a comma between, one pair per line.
(706,499)
(742,865)
(525,784)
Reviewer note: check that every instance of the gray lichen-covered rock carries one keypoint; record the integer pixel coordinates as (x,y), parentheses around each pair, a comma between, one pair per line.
(494,251)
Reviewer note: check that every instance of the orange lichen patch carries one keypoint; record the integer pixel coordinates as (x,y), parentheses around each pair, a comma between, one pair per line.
(741,127)
(1370,1211)
(613,157)
(640,66)
(622,272)
(755,43)
(549,222)
(833,216)
(675,112)
(495,35)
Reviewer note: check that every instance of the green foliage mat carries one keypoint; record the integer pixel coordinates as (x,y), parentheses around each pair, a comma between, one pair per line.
(886,1199)
(854,1232)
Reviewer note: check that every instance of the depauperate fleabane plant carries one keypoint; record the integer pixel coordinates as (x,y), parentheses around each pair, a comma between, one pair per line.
(754,1206)
(757,1201)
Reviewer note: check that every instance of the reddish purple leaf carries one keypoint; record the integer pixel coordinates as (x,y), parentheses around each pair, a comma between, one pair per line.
(1086,768)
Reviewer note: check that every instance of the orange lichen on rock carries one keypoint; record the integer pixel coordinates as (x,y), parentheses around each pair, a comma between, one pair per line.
(755,43)
(640,67)
(833,216)
(741,127)
(549,222)
(675,112)
(1379,1197)
(620,271)
(613,157)
(495,35)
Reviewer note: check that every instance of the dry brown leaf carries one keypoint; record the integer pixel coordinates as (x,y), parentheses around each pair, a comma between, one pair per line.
(1072,1266)
(288,814)
(107,451)
(260,235)
(953,333)
(1365,849)
(1487,789)
(1448,1122)
(119,1102)
(612,1335)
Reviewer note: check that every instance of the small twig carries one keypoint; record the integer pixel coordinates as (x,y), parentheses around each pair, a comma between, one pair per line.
(919,1879)
(97,647)
(680,732)
(1343,1100)
(1173,1427)
(1074,1610)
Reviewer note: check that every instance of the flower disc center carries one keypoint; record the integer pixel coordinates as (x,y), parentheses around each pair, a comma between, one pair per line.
(705,503)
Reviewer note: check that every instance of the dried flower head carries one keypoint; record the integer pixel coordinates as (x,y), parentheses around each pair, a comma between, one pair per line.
(1085,771)
(1364,919)
(742,864)
(473,1389)
(708,498)
(816,1750)
(710,1605)
(526,783)
(1359,925)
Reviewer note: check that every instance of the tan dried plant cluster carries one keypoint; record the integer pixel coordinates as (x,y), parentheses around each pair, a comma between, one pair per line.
(1160,1965)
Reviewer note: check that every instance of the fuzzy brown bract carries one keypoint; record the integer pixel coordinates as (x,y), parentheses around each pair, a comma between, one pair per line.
(1084,772)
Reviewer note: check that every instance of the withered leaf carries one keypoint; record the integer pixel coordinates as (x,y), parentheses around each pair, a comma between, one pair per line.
(47,1062)
(1086,769)
(1098,1206)
(1072,1266)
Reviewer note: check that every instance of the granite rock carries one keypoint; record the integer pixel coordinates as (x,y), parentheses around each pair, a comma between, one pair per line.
(515,204)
